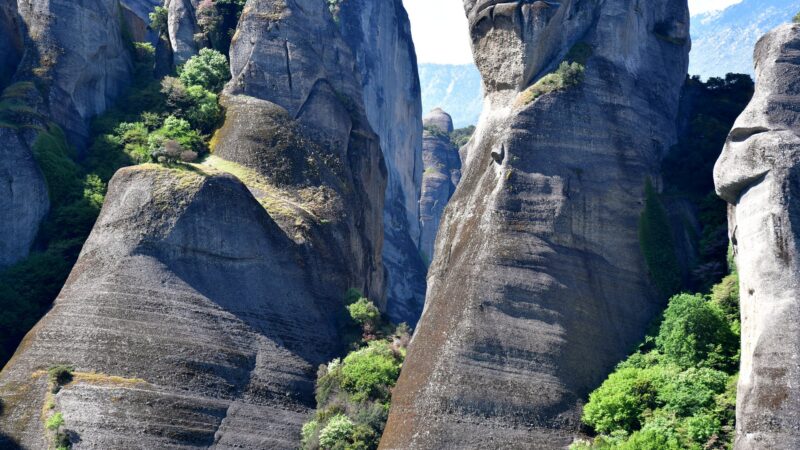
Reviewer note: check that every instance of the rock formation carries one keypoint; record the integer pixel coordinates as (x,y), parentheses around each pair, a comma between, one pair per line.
(78,52)
(187,320)
(759,174)
(136,14)
(182,25)
(10,40)
(539,287)
(380,36)
(201,305)
(440,178)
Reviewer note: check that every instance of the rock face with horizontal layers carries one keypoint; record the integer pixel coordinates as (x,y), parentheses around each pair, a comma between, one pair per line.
(440,177)
(539,287)
(296,116)
(187,320)
(76,49)
(379,34)
(759,174)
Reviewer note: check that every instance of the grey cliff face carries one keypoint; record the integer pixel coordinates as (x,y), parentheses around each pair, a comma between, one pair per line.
(78,52)
(379,34)
(182,25)
(188,322)
(538,287)
(23,196)
(758,173)
(10,40)
(296,115)
(440,178)
(136,15)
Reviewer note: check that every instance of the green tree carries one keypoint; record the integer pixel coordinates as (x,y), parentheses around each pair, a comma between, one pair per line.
(338,432)
(208,69)
(694,333)
(369,372)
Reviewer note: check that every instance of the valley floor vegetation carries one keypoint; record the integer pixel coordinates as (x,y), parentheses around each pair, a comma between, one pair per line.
(354,393)
(168,119)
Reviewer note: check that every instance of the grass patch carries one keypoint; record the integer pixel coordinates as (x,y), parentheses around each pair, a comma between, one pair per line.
(566,76)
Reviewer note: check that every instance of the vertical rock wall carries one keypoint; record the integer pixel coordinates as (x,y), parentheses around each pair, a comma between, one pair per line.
(758,173)
(539,287)
(379,34)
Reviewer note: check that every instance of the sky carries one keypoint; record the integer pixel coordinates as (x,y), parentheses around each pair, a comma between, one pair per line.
(440,30)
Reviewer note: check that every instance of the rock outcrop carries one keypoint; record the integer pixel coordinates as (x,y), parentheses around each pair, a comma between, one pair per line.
(759,174)
(23,196)
(10,40)
(187,320)
(136,14)
(76,49)
(202,305)
(296,115)
(182,26)
(539,287)
(379,34)
(440,177)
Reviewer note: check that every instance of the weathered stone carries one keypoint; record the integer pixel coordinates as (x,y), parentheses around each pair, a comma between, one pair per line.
(182,26)
(440,178)
(539,287)
(188,321)
(379,34)
(10,40)
(758,173)
(76,49)
(136,14)
(296,115)
(23,196)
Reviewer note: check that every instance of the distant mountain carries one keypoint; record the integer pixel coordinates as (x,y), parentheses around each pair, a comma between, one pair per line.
(454,88)
(723,41)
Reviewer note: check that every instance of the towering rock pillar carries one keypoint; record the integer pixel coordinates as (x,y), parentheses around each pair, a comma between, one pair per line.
(440,177)
(379,34)
(759,175)
(538,286)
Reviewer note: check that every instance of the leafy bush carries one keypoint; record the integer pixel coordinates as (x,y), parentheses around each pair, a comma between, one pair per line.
(694,333)
(658,247)
(369,372)
(796,18)
(208,69)
(680,393)
(567,75)
(55,422)
(339,429)
(159,20)
(179,130)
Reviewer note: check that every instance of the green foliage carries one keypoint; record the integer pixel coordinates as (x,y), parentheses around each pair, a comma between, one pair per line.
(195,104)
(726,296)
(461,136)
(338,430)
(358,389)
(60,375)
(566,76)
(695,333)
(179,130)
(796,18)
(364,311)
(55,422)
(658,247)
(208,69)
(159,20)
(55,159)
(679,394)
(369,372)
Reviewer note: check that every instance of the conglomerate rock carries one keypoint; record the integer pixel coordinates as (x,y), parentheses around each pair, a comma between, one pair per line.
(538,286)
(758,173)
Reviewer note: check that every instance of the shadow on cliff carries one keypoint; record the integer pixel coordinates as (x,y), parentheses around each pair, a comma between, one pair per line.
(6,442)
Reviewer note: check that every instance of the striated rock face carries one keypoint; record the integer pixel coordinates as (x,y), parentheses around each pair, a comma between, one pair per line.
(759,175)
(10,40)
(76,48)
(136,14)
(380,36)
(188,322)
(539,287)
(440,178)
(296,115)
(23,196)
(182,25)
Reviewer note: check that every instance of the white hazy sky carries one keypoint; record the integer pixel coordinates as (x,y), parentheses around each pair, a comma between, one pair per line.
(440,28)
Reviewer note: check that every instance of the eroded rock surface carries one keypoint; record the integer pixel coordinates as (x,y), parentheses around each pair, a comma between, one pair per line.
(182,25)
(188,322)
(539,287)
(296,115)
(759,174)
(440,178)
(379,34)
(77,50)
